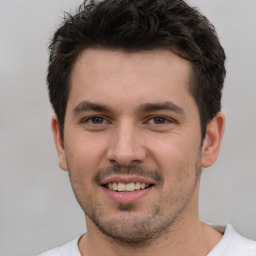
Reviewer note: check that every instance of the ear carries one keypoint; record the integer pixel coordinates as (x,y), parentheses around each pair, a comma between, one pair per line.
(212,140)
(59,143)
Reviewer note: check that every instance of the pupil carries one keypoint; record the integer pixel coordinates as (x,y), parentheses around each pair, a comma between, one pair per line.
(159,120)
(97,120)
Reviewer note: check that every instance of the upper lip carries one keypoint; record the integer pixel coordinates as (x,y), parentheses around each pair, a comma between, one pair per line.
(126,179)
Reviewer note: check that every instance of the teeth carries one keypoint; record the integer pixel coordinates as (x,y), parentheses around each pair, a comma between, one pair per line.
(130,187)
(114,186)
(121,187)
(137,185)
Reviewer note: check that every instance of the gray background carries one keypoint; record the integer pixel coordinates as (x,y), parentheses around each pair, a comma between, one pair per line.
(38,209)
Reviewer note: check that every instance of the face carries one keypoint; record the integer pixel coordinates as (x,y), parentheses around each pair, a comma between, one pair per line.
(132,142)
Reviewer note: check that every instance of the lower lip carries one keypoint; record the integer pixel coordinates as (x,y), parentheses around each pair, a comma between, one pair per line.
(126,197)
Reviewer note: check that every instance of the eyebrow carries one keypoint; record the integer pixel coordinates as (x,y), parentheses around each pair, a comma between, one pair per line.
(89,106)
(170,106)
(148,107)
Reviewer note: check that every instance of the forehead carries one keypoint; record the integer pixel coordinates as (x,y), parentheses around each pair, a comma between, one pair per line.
(104,60)
(113,76)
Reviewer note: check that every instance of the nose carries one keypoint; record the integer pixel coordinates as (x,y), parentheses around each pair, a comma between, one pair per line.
(126,146)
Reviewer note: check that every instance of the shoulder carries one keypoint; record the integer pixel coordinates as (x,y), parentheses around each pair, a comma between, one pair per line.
(233,244)
(68,249)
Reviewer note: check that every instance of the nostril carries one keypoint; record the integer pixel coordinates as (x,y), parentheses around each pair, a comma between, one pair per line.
(114,162)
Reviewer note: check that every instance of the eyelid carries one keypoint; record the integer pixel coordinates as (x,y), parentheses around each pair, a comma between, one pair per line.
(106,120)
(168,120)
(89,118)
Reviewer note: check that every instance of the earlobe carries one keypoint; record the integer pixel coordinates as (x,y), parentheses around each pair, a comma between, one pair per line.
(212,140)
(59,143)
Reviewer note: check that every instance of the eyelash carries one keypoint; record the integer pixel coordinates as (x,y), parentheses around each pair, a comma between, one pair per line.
(156,119)
(163,120)
(91,118)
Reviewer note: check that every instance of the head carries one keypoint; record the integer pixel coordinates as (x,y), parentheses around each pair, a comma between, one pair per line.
(134,26)
(136,87)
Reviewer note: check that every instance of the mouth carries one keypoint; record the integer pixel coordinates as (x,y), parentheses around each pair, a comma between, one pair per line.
(127,187)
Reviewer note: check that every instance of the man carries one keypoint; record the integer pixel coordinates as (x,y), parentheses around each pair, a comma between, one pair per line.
(136,90)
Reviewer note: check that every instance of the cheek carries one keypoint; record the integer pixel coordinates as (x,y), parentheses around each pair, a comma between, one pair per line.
(178,162)
(177,158)
(175,149)
(82,163)
(84,152)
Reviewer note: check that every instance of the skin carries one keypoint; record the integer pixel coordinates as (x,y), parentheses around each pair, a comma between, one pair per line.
(131,116)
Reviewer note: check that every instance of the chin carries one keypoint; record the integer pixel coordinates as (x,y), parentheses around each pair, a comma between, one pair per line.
(130,227)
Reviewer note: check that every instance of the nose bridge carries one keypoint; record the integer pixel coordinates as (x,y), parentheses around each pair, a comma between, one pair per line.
(126,146)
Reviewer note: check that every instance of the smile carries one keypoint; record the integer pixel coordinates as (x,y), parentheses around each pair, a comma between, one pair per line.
(126,187)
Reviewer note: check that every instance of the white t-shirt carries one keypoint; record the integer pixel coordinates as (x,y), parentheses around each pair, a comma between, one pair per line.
(231,244)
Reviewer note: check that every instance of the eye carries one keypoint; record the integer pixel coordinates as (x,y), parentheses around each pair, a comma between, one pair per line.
(158,120)
(95,123)
(96,120)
